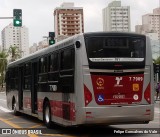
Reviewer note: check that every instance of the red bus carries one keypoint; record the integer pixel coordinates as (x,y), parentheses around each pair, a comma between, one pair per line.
(91,78)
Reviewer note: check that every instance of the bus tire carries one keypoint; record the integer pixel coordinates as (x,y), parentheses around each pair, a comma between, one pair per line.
(14,106)
(47,115)
(146,122)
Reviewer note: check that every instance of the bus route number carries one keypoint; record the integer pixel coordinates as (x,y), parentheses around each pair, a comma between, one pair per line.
(135,78)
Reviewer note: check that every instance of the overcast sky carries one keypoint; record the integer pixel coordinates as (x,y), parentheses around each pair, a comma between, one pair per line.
(38,14)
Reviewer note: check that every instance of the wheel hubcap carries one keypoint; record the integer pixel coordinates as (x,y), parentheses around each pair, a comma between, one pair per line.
(47,115)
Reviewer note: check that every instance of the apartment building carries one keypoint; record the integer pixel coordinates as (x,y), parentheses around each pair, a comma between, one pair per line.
(151,27)
(116,17)
(15,36)
(68,20)
(150,23)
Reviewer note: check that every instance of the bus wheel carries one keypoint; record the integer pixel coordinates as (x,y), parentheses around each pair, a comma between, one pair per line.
(47,115)
(146,122)
(15,112)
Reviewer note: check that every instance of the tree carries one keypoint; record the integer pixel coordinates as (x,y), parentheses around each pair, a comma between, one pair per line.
(15,53)
(157,61)
(3,65)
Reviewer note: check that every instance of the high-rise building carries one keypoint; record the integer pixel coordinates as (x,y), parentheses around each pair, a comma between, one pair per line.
(116,17)
(150,23)
(68,20)
(155,44)
(16,36)
(41,45)
(151,27)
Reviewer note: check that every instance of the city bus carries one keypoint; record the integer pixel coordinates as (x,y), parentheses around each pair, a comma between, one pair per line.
(98,78)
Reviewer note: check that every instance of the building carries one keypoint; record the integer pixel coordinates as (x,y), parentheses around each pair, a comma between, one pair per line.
(151,27)
(16,36)
(41,45)
(68,20)
(155,44)
(150,23)
(33,48)
(116,17)
(139,29)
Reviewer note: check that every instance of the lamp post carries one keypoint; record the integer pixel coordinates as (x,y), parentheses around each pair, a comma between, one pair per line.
(46,37)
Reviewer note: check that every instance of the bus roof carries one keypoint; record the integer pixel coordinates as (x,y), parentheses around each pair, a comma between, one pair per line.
(113,33)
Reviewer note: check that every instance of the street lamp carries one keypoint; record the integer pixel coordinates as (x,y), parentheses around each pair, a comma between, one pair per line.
(46,37)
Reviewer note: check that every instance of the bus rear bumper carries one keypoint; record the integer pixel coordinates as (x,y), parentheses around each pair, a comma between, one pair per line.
(119,114)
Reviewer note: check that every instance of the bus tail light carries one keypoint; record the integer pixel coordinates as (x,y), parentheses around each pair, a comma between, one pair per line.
(87,95)
(147,94)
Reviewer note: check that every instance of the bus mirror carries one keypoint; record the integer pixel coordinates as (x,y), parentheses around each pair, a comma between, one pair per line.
(78,44)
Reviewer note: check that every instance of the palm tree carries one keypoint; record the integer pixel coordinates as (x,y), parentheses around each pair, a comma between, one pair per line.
(15,53)
(3,65)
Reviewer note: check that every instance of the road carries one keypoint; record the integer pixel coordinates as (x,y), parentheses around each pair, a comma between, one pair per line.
(24,124)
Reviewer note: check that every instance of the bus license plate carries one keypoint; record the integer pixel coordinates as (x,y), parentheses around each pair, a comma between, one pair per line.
(118,96)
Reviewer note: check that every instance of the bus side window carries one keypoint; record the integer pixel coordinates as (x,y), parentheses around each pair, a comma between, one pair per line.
(67,70)
(42,70)
(53,73)
(43,65)
(67,59)
(27,76)
(134,54)
(53,62)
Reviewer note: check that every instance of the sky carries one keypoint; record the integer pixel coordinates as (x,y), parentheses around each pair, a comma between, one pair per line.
(38,16)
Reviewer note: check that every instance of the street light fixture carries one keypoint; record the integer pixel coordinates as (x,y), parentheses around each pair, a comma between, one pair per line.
(46,37)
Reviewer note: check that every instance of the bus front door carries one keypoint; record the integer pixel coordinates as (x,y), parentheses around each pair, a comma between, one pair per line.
(21,83)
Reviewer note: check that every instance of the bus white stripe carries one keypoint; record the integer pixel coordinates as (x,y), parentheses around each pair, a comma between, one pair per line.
(116,59)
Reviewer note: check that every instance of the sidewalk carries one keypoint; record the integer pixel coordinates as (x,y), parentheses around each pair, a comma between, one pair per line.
(2,89)
(158,99)
(157,102)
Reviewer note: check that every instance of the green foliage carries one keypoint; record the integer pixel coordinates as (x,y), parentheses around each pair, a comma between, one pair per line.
(3,65)
(15,53)
(157,61)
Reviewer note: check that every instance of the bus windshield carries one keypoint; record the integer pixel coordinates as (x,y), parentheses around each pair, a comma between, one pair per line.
(115,49)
